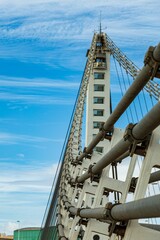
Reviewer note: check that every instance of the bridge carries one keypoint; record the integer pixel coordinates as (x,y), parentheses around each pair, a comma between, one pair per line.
(110,189)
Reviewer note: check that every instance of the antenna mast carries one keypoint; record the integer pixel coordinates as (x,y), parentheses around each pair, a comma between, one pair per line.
(100,26)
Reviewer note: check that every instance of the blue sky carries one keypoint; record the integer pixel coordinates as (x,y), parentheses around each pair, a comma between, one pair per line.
(42,58)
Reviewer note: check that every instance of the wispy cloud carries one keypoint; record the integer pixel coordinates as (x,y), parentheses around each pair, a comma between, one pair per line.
(26,22)
(36,91)
(38,99)
(10,138)
(77,22)
(27,179)
(6,81)
(27,186)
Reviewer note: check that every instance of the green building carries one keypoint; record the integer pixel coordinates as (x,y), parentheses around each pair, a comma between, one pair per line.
(34,233)
(27,233)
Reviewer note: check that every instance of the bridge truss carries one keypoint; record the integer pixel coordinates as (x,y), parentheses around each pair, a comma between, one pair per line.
(87,200)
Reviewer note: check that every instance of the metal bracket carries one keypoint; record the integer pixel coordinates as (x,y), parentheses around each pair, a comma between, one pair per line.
(76,162)
(106,192)
(109,206)
(106,134)
(112,226)
(119,229)
(78,212)
(93,177)
(83,222)
(87,155)
(70,181)
(138,146)
(133,184)
(155,65)
(76,183)
(90,172)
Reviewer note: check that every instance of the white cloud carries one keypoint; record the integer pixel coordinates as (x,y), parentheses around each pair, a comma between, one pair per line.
(28,186)
(34,99)
(10,138)
(42,21)
(6,81)
(27,179)
(56,24)
(11,226)
(35,91)
(77,21)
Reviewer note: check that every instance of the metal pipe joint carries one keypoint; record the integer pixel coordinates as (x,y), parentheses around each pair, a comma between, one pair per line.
(137,145)
(153,60)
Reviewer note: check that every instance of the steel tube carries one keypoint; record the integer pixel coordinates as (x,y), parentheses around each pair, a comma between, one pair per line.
(156,53)
(120,148)
(144,127)
(98,213)
(154,177)
(138,84)
(139,209)
(143,208)
(123,156)
(148,123)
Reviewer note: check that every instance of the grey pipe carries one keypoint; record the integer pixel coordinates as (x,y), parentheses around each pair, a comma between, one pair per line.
(156,53)
(143,208)
(148,123)
(123,156)
(144,127)
(97,213)
(154,177)
(120,148)
(139,209)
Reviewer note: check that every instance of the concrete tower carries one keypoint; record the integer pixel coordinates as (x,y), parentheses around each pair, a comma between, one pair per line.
(98,94)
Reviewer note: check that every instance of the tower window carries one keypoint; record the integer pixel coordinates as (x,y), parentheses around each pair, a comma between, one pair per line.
(99,44)
(98,87)
(98,75)
(99,149)
(100,59)
(98,100)
(97,124)
(98,112)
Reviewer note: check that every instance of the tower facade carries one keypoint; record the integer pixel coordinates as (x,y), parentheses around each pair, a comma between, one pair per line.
(98,93)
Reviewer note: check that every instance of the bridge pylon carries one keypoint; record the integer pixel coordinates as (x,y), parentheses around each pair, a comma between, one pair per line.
(89,201)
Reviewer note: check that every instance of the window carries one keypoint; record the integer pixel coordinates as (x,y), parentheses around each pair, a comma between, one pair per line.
(98,112)
(98,75)
(97,124)
(100,59)
(99,149)
(99,44)
(99,87)
(98,100)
